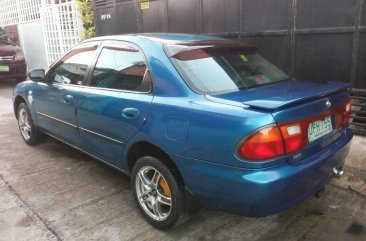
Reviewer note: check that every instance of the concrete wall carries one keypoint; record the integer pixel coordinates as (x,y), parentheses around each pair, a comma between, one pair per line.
(32,42)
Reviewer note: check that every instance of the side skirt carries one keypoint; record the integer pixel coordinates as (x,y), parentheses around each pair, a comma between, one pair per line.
(87,153)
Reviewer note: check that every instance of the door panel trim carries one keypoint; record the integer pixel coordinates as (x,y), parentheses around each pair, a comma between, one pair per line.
(100,135)
(54,118)
(83,129)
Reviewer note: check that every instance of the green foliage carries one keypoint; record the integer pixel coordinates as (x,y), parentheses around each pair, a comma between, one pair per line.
(87,18)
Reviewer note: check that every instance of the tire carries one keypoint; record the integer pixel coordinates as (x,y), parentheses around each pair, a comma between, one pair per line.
(29,132)
(157,193)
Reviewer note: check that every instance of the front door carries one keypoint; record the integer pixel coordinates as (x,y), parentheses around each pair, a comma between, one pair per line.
(117,103)
(55,101)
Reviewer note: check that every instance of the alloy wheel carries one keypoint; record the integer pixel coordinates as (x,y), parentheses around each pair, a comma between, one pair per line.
(24,124)
(153,193)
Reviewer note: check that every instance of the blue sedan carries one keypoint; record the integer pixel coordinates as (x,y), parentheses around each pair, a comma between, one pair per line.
(193,120)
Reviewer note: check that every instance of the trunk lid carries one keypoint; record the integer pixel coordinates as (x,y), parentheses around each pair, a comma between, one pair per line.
(280,95)
(296,101)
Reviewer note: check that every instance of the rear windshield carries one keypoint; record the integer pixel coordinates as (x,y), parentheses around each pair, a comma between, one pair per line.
(218,69)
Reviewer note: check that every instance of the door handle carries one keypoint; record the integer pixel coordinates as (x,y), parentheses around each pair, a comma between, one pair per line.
(67,99)
(130,113)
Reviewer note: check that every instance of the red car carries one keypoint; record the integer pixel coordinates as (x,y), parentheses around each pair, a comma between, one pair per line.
(12,61)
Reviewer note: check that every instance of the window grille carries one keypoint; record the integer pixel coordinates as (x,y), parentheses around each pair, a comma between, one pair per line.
(60,21)
(61,27)
(19,11)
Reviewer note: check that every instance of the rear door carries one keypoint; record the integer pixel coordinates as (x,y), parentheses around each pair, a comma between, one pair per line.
(117,102)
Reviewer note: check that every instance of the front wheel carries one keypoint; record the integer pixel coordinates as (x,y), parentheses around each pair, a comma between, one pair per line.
(157,193)
(28,130)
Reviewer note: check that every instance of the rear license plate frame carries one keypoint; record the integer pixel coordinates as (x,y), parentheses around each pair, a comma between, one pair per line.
(319,128)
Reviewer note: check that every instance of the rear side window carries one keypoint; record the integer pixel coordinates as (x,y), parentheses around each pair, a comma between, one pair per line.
(121,67)
(221,69)
(72,68)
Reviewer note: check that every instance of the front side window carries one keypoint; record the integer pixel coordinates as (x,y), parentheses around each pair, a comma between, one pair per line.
(219,69)
(122,67)
(72,68)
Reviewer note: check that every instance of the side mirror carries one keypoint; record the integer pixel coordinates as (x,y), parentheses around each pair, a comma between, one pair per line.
(37,75)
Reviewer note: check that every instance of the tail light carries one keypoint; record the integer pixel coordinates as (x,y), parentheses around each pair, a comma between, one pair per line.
(277,140)
(265,144)
(343,115)
(273,141)
(294,136)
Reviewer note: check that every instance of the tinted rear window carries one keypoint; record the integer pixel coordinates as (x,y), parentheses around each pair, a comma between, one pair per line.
(223,69)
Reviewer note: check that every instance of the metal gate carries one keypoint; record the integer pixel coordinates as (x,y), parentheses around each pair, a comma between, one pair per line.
(59,19)
(319,40)
(18,11)
(61,28)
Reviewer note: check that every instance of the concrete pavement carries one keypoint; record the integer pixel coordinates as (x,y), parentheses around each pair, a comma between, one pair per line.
(52,192)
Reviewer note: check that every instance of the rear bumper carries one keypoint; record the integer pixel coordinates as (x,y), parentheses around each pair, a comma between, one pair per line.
(262,192)
(16,71)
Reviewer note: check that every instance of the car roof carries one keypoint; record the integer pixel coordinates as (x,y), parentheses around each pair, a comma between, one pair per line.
(177,38)
(177,42)
(163,38)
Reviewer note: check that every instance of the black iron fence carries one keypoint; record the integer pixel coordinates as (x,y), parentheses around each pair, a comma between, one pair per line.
(358,118)
(318,40)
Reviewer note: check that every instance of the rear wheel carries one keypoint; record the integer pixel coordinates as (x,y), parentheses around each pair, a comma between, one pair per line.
(157,193)
(29,132)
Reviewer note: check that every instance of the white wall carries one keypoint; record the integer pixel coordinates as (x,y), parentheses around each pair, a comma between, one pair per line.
(32,42)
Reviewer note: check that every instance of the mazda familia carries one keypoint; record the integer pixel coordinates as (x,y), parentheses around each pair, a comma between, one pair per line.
(195,121)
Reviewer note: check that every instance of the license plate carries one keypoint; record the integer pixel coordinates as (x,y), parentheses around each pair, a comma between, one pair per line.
(4,68)
(319,128)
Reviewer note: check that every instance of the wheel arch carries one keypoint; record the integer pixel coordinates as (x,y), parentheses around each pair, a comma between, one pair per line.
(144,148)
(17,101)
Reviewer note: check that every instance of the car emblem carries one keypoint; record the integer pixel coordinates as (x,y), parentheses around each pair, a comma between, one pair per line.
(328,104)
